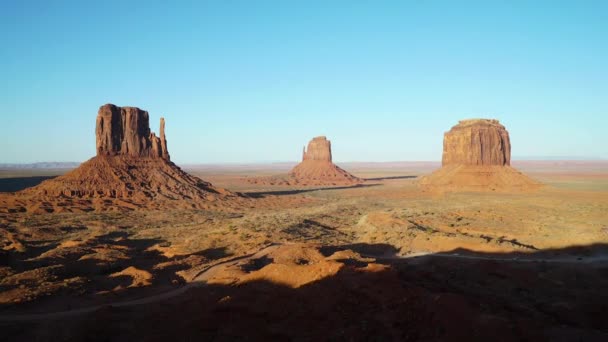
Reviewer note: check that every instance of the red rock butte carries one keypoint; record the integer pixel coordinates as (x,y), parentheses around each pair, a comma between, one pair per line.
(477,142)
(319,149)
(132,170)
(317,167)
(477,157)
(126,131)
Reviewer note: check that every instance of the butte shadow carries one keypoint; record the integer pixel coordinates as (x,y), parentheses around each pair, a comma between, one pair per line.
(14,184)
(303,292)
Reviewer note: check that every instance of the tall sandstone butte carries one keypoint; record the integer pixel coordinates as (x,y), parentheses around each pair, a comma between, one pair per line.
(477,156)
(131,170)
(477,142)
(126,131)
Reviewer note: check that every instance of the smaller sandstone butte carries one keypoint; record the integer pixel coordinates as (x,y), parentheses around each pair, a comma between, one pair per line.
(317,167)
(132,170)
(477,142)
(126,131)
(477,157)
(319,148)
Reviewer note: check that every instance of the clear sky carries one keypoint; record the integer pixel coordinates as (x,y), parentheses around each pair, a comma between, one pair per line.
(253,81)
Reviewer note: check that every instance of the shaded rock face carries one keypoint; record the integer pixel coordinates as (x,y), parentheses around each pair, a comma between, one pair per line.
(126,131)
(319,149)
(477,142)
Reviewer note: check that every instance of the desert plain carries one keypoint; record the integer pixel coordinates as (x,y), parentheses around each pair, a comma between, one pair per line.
(304,171)
(380,260)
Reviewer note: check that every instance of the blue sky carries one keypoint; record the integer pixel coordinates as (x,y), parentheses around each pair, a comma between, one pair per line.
(253,81)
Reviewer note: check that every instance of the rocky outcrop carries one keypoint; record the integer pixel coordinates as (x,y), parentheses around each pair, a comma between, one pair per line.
(319,149)
(477,142)
(163,141)
(126,131)
(132,170)
(477,157)
(478,178)
(317,167)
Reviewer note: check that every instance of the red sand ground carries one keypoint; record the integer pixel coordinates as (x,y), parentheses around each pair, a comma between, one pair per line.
(319,264)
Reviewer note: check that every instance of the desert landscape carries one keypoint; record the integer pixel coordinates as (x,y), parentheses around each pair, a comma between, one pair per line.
(389,251)
(303,171)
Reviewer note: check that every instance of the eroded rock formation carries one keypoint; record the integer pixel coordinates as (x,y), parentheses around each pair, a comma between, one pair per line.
(477,157)
(163,141)
(131,170)
(477,142)
(319,149)
(317,167)
(126,131)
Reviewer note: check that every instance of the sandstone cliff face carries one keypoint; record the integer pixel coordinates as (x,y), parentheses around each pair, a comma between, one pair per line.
(126,131)
(477,142)
(477,157)
(319,149)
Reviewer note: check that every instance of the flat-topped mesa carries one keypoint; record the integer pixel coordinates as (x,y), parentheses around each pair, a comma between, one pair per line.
(126,131)
(477,157)
(477,142)
(319,149)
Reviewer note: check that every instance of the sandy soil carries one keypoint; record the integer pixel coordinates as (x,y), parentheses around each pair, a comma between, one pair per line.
(334,271)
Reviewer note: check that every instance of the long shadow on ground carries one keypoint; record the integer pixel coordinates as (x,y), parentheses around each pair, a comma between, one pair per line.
(20,183)
(260,194)
(93,267)
(389,178)
(427,298)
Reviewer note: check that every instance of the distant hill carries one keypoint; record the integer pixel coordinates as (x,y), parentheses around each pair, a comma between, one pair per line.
(41,165)
(555,158)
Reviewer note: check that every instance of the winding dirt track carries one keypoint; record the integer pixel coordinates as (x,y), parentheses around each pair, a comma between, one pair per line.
(201,278)
(198,281)
(561,260)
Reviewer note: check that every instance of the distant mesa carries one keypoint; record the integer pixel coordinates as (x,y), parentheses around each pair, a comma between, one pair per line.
(132,170)
(316,169)
(477,156)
